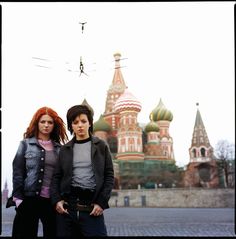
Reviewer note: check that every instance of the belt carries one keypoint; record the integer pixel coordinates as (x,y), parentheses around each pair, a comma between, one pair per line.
(84,208)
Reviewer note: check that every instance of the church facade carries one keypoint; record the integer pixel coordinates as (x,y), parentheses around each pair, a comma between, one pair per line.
(138,152)
(202,170)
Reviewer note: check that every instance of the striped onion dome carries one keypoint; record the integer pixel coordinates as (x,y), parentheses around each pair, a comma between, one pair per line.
(101,125)
(160,113)
(127,102)
(151,127)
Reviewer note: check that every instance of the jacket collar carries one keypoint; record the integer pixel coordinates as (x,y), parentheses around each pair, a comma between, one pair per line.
(33,140)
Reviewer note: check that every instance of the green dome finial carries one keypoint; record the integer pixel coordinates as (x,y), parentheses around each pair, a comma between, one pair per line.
(101,125)
(151,127)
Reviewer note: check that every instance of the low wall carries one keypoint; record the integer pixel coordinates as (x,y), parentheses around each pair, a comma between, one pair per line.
(177,197)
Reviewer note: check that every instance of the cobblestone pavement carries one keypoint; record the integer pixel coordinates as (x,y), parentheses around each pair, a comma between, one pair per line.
(195,222)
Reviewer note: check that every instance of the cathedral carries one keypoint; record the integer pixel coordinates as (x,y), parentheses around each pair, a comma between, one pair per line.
(137,151)
(144,156)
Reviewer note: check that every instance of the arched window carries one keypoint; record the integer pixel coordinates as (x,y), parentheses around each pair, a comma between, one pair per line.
(203,152)
(194,153)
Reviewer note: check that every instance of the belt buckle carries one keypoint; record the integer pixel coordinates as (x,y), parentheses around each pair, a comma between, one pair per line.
(84,208)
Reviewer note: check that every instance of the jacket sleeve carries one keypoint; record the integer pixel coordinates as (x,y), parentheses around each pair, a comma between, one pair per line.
(108,184)
(55,183)
(19,171)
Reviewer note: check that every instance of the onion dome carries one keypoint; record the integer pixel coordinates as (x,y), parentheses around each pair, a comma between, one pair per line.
(151,127)
(127,102)
(101,125)
(87,104)
(160,113)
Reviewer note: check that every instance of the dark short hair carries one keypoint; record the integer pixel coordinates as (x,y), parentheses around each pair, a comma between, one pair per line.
(77,110)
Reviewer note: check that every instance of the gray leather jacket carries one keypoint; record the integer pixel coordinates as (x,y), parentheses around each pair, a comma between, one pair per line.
(28,168)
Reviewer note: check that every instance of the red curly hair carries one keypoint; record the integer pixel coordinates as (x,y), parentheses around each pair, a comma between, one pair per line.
(59,130)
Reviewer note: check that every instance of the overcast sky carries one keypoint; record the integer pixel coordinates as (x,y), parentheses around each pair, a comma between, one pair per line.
(181,52)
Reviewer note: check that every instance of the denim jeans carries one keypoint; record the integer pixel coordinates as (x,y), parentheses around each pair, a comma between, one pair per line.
(76,225)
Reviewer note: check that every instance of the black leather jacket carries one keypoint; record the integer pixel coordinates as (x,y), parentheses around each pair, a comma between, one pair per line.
(102,167)
(28,168)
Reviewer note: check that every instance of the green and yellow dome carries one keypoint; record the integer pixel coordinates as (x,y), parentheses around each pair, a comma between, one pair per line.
(151,127)
(101,125)
(161,113)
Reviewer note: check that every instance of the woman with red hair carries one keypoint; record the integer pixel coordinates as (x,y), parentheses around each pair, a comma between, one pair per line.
(33,167)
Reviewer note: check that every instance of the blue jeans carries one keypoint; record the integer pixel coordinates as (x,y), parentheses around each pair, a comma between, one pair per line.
(71,226)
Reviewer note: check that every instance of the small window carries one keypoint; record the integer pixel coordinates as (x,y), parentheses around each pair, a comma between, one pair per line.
(203,152)
(194,153)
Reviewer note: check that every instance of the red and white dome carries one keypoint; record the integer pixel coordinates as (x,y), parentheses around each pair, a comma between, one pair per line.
(127,102)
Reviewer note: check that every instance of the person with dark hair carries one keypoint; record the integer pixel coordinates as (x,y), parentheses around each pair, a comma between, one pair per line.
(33,167)
(83,179)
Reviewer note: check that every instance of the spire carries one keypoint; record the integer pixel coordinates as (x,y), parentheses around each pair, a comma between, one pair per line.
(118,83)
(199,133)
(116,88)
(5,193)
(88,105)
(198,120)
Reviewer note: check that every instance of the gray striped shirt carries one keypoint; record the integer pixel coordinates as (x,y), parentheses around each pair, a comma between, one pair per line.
(83,175)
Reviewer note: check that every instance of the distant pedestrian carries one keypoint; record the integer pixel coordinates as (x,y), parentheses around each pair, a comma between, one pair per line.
(33,167)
